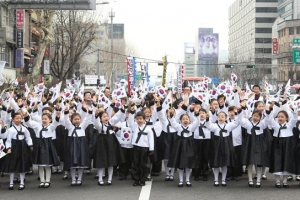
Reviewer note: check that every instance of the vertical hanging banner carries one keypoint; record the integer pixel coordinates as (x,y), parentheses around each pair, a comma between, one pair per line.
(143,71)
(131,71)
(147,73)
(20,15)
(180,74)
(165,63)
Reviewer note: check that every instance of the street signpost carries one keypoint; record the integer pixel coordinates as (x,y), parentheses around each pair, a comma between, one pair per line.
(296,56)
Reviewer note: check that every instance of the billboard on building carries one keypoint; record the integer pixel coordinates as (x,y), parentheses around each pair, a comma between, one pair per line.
(118,31)
(208,45)
(189,48)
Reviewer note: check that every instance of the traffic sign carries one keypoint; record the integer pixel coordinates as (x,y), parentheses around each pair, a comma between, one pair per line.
(296,41)
(296,56)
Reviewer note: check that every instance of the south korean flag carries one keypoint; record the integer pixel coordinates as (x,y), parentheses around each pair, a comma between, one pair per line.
(126,135)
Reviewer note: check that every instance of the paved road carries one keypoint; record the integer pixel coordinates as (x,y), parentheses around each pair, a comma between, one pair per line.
(123,190)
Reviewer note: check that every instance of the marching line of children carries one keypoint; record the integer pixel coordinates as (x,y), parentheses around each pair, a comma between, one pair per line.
(189,135)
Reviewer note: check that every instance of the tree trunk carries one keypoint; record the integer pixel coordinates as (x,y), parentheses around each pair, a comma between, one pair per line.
(45,19)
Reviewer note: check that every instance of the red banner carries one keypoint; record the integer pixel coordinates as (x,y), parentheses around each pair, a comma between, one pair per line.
(274,45)
(20,18)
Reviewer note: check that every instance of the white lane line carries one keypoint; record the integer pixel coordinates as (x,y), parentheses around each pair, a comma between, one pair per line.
(146,190)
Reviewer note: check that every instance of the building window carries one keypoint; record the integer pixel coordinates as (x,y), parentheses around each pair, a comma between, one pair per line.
(263,40)
(263,50)
(4,14)
(263,30)
(298,29)
(266,10)
(291,31)
(5,55)
(264,20)
(275,1)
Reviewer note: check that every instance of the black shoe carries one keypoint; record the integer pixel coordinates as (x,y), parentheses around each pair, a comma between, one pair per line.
(101,183)
(136,183)
(188,184)
(285,185)
(204,178)
(78,183)
(167,178)
(59,171)
(216,184)
(29,172)
(171,178)
(264,177)
(54,171)
(109,183)
(224,183)
(180,184)
(73,183)
(142,183)
(257,185)
(21,187)
(250,183)
(196,178)
(278,185)
(297,178)
(11,187)
(47,185)
(289,178)
(41,185)
(65,176)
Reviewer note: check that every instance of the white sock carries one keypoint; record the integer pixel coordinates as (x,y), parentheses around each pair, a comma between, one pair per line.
(22,177)
(172,171)
(11,178)
(285,179)
(100,174)
(224,173)
(180,175)
(48,174)
(250,168)
(110,173)
(73,174)
(277,178)
(258,172)
(216,174)
(80,172)
(42,174)
(166,167)
(187,174)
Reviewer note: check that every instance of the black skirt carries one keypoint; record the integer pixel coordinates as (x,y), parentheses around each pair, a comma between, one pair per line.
(283,155)
(18,161)
(76,153)
(165,143)
(297,158)
(222,152)
(183,153)
(108,151)
(202,151)
(60,141)
(256,150)
(44,152)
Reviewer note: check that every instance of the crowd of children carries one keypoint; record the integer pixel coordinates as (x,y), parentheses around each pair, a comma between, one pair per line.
(224,135)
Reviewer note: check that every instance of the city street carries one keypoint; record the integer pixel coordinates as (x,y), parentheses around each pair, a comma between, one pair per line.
(61,189)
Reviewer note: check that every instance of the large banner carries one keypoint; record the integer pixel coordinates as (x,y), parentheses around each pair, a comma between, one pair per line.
(131,71)
(208,46)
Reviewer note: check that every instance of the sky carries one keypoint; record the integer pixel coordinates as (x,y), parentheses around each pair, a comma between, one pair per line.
(155,28)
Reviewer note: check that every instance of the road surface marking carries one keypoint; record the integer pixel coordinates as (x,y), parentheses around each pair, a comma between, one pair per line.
(146,190)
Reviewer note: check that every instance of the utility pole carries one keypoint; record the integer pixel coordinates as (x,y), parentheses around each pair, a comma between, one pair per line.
(112,15)
(98,69)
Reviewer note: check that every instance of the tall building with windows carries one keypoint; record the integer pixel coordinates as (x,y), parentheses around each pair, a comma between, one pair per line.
(189,59)
(250,33)
(289,9)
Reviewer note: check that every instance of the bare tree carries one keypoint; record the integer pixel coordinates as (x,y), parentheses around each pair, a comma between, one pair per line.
(74,31)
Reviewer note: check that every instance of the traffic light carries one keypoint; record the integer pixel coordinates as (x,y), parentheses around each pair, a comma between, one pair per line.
(228,66)
(251,66)
(98,81)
